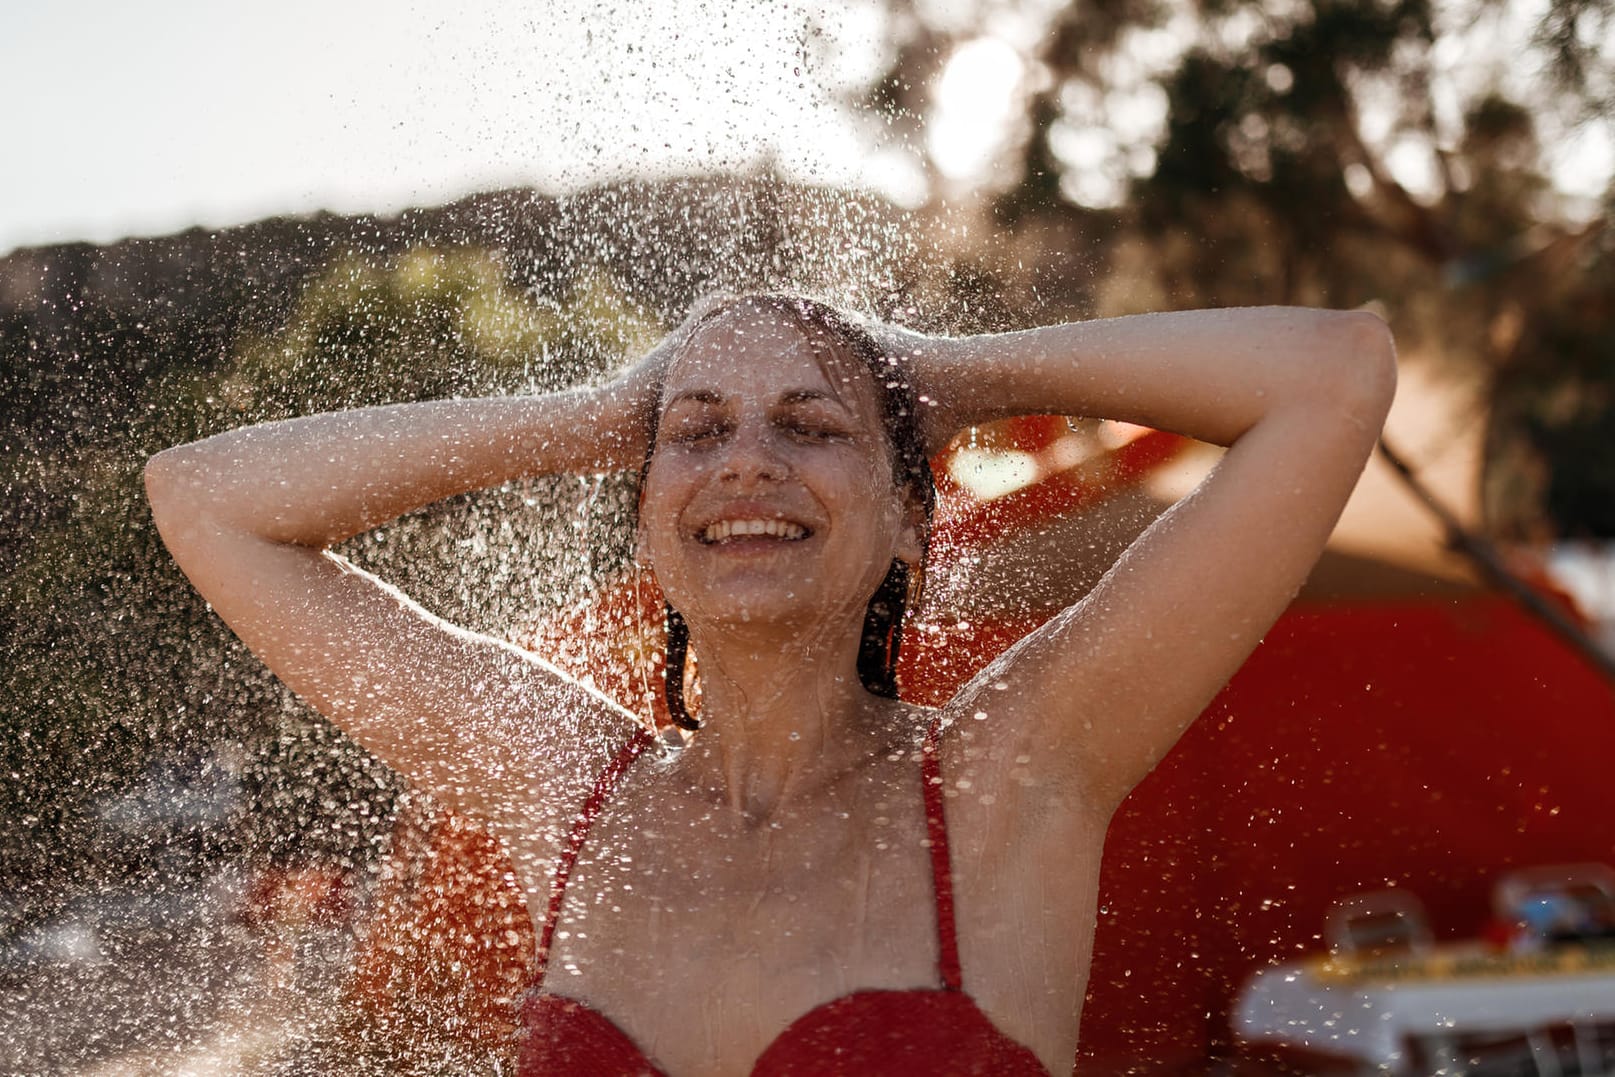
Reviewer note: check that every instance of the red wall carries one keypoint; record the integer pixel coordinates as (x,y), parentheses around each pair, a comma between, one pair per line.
(1428,744)
(1422,744)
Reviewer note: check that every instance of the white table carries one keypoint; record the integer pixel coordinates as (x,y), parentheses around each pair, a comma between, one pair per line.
(1377,1020)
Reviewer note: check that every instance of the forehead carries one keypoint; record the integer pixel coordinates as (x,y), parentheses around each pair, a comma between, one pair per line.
(753,352)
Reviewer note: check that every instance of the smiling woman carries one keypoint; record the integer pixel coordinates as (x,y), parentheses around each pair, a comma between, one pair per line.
(833,411)
(820,878)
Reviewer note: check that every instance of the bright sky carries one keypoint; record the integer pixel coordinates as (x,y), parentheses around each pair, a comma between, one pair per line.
(143,118)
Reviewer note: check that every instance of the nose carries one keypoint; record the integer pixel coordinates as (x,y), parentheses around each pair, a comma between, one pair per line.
(752,456)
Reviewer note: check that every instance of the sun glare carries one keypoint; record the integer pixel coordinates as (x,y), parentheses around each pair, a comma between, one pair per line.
(975,99)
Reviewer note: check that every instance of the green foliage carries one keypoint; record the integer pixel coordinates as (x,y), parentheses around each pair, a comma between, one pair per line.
(1555,401)
(431,323)
(113,659)
(1280,172)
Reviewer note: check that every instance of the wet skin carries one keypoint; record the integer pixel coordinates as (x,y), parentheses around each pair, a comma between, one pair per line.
(777,863)
(780,863)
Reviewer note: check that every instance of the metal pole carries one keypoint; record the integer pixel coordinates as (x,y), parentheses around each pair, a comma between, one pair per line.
(1486,558)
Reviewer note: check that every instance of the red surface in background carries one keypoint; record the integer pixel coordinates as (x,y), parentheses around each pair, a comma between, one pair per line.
(1427,745)
(1420,744)
(1431,745)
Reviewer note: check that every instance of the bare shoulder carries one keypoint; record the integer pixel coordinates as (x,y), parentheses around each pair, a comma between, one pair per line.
(1025,845)
(999,790)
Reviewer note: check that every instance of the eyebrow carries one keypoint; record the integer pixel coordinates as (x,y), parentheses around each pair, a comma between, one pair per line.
(699,396)
(712,396)
(799,396)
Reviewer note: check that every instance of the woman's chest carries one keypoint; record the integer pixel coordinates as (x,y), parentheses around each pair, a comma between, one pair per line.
(704,936)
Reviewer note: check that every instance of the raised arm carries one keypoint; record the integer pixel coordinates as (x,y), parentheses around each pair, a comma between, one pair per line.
(249,515)
(1298,396)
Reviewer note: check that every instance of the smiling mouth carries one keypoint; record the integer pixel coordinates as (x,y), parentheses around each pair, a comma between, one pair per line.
(727,530)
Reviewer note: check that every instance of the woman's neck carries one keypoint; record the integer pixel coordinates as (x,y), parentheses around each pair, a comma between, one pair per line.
(782,718)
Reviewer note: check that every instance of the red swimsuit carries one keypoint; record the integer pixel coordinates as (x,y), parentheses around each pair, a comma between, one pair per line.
(875,1033)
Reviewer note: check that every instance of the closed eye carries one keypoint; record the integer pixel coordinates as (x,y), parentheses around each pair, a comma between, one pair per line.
(814,432)
(698,433)
(813,419)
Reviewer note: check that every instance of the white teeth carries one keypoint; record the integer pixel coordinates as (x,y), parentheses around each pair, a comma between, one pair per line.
(724,529)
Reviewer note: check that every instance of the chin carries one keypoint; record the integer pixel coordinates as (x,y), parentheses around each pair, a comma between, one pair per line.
(760,610)
(765,608)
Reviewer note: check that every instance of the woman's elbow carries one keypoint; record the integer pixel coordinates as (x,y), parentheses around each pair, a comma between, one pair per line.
(168,483)
(159,477)
(1359,375)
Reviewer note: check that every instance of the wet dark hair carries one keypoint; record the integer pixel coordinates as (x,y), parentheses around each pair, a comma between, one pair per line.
(822,324)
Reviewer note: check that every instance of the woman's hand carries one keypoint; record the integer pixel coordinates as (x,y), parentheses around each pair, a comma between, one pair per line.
(928,362)
(630,399)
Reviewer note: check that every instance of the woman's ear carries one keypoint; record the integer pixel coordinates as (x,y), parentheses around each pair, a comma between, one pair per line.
(911,536)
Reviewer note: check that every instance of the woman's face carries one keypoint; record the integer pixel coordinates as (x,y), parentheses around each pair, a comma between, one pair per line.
(769,497)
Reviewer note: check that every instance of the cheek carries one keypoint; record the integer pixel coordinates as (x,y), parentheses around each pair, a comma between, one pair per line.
(656,527)
(869,490)
(656,517)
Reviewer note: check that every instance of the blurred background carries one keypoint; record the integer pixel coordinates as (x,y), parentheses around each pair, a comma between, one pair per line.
(219,214)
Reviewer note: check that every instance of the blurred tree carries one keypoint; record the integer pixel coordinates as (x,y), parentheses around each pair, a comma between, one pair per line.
(108,354)
(1333,152)
(114,660)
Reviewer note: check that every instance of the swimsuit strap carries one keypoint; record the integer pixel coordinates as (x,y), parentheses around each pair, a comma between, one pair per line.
(604,786)
(941,870)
